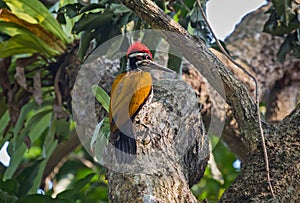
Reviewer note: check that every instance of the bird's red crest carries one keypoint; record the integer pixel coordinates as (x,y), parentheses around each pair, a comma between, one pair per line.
(138,47)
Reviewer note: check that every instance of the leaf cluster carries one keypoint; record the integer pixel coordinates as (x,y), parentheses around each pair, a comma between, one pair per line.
(284,21)
(98,22)
(29,28)
(33,121)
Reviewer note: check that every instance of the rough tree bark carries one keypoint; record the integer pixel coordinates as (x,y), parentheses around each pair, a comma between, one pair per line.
(283,143)
(172,150)
(282,140)
(256,50)
(278,82)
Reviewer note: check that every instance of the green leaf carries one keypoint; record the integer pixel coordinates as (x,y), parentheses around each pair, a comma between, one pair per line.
(289,45)
(38,178)
(174,61)
(101,37)
(48,147)
(27,177)
(100,138)
(26,109)
(35,131)
(10,186)
(91,21)
(24,112)
(15,46)
(224,159)
(62,128)
(31,177)
(2,4)
(84,44)
(39,12)
(101,96)
(38,115)
(71,193)
(71,10)
(50,134)
(284,10)
(198,26)
(119,8)
(69,22)
(33,28)
(126,18)
(4,121)
(42,199)
(7,198)
(195,16)
(23,41)
(33,153)
(91,6)
(274,26)
(284,49)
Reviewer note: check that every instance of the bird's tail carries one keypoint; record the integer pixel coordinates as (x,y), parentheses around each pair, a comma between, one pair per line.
(125,146)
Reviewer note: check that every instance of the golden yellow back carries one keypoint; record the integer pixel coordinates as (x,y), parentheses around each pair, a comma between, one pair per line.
(129,92)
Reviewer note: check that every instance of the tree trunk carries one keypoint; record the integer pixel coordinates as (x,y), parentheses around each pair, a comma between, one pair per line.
(278,82)
(282,140)
(253,49)
(172,149)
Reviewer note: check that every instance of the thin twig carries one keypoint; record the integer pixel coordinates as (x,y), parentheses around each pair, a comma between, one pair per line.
(256,97)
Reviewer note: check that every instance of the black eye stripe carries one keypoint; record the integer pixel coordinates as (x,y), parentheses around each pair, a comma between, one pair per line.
(143,63)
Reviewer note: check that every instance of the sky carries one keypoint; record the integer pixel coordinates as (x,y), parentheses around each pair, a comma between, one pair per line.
(223,15)
(4,158)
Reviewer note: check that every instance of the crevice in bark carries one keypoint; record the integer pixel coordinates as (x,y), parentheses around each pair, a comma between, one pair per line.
(172,149)
(207,63)
(251,184)
(255,48)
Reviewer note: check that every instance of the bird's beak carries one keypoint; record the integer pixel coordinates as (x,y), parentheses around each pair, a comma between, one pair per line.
(154,66)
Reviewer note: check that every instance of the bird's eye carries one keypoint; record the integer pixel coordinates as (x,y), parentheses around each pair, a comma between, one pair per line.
(148,57)
(139,57)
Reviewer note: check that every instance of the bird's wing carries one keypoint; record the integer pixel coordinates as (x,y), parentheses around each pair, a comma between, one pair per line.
(129,93)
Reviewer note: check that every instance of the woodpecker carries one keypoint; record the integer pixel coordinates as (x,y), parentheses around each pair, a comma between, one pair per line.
(131,90)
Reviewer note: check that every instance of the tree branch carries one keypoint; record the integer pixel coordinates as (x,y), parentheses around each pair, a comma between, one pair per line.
(251,184)
(207,63)
(284,142)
